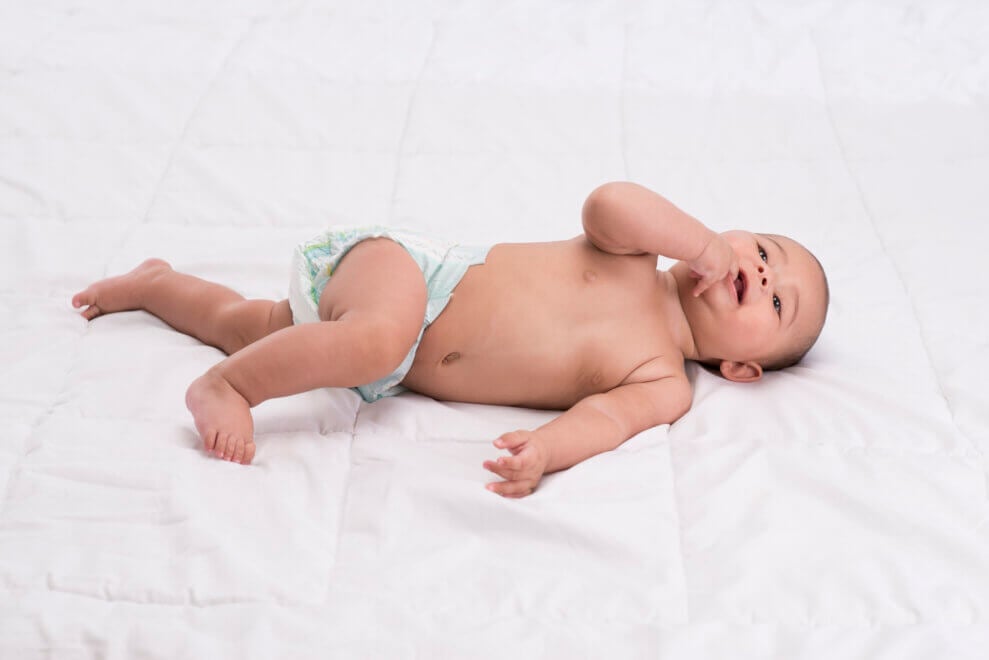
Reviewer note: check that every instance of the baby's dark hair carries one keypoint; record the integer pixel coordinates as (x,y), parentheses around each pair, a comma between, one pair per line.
(791,357)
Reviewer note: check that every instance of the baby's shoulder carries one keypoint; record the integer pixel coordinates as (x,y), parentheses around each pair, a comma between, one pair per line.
(657,392)
(669,366)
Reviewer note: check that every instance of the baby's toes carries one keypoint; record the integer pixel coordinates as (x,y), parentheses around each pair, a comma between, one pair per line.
(91,312)
(222,439)
(209,441)
(237,455)
(244,453)
(249,449)
(86,299)
(231,447)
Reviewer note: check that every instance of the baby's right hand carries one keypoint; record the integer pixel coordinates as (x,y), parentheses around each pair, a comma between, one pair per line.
(715,263)
(523,469)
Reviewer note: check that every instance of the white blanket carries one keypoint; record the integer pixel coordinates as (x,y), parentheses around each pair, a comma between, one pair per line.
(835,510)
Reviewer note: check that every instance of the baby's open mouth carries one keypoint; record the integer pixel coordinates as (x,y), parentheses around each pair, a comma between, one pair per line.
(740,286)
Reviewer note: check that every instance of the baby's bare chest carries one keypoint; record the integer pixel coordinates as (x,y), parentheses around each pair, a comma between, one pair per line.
(542,327)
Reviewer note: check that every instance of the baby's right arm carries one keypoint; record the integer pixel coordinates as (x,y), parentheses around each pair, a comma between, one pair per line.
(626,218)
(595,424)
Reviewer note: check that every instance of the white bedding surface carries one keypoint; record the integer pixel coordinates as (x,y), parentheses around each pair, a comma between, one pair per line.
(834,510)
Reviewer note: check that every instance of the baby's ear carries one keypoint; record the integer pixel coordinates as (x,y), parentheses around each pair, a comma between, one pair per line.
(741,372)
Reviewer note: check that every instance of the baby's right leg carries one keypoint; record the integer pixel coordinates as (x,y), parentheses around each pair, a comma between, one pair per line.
(372,311)
(211,312)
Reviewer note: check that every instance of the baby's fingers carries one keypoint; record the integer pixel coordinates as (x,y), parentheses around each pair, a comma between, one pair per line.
(511,462)
(511,488)
(511,440)
(703,286)
(506,467)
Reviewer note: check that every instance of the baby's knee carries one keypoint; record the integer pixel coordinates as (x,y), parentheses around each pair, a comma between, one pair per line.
(383,344)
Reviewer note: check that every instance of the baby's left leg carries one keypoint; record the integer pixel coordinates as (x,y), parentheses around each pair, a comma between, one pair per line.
(210,312)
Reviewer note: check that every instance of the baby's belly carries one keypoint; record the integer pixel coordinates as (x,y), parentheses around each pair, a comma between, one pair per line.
(451,367)
(509,339)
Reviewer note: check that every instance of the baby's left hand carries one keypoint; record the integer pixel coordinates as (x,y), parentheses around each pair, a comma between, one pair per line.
(523,469)
(717,262)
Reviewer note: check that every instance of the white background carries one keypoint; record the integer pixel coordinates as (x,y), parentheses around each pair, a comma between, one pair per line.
(835,510)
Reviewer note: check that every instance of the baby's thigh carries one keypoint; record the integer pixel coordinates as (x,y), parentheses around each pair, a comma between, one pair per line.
(377,280)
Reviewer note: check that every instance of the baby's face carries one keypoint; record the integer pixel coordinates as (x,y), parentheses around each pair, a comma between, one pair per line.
(776,303)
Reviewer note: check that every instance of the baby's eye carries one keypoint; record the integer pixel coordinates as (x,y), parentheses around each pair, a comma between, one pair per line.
(762,253)
(777,305)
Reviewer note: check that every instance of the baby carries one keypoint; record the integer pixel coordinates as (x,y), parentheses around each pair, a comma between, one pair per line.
(588,325)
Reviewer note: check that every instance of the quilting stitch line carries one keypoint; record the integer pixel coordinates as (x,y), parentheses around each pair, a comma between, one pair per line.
(882,244)
(408,117)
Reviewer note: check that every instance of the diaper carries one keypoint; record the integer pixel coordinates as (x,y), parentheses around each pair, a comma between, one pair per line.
(443,264)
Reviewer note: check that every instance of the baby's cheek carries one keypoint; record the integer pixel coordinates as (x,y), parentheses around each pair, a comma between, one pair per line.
(755,329)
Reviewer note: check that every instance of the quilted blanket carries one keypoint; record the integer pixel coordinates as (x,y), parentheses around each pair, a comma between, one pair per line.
(837,509)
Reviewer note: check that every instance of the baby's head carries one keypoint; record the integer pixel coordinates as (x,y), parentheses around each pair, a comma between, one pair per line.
(768,318)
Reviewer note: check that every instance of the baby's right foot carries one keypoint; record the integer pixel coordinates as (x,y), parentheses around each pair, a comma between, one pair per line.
(121,293)
(223,418)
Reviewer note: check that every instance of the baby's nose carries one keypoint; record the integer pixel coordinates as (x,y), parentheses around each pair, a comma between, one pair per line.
(765,275)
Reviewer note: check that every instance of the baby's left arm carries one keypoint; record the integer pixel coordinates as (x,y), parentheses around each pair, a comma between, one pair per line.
(596,424)
(622,217)
(625,218)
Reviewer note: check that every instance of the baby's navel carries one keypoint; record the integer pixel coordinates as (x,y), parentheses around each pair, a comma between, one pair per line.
(590,276)
(451,357)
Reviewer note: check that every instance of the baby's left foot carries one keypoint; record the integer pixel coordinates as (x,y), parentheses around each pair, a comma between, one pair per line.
(120,293)
(223,418)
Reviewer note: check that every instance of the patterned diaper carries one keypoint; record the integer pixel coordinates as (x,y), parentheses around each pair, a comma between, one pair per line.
(443,264)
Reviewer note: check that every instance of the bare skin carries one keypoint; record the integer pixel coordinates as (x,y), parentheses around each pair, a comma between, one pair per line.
(498,341)
(544,325)
(587,325)
(221,414)
(364,337)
